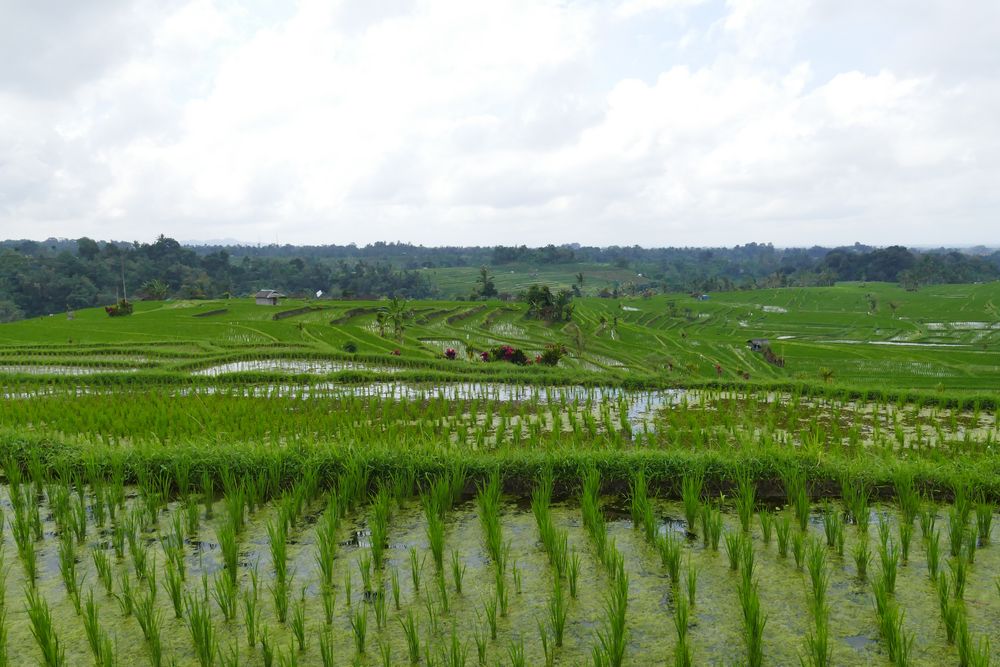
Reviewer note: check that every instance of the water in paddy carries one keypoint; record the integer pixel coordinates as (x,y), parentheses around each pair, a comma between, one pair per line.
(715,628)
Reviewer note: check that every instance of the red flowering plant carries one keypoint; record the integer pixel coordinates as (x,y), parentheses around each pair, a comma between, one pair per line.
(396,353)
(450,354)
(509,354)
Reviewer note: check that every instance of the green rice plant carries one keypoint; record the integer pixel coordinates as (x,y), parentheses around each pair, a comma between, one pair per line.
(905,536)
(984,520)
(326,541)
(359,627)
(959,576)
(819,577)
(457,572)
(613,638)
(328,597)
(819,653)
(230,658)
(298,622)
(326,650)
(970,546)
(442,590)
(266,647)
(500,586)
(766,525)
(102,565)
(230,550)
(558,611)
(928,519)
(347,588)
(796,494)
(479,636)
(416,565)
(435,535)
(832,524)
(906,494)
(411,632)
(515,574)
(706,517)
(515,653)
(682,651)
(884,529)
(951,611)
(754,620)
(862,556)
(573,572)
(488,501)
(670,555)
(691,485)
(207,492)
(969,654)
(856,496)
(455,652)
(956,531)
(381,611)
(547,652)
(734,547)
(150,620)
(962,501)
(126,599)
(746,500)
(799,548)
(385,652)
(279,594)
(53,655)
(782,529)
(97,637)
(173,584)
(251,611)
(394,585)
(933,553)
(364,563)
(490,610)
(225,591)
(278,541)
(889,560)
(118,538)
(379,525)
(200,625)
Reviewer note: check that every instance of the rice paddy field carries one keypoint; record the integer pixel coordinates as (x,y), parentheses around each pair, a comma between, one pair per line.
(219,483)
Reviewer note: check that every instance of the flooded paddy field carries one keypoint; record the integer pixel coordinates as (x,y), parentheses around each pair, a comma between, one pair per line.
(444,571)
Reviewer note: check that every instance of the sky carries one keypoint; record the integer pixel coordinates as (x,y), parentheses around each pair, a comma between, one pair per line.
(502,122)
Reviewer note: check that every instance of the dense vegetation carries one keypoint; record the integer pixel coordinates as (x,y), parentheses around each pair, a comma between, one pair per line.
(56,275)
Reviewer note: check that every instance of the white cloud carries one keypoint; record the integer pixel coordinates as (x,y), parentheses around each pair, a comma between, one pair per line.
(442,121)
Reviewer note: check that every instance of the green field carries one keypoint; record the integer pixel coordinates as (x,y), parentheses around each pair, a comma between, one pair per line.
(872,336)
(220,483)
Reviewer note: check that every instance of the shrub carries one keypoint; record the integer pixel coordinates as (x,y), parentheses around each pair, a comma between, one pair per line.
(120,309)
(507,353)
(350,347)
(552,354)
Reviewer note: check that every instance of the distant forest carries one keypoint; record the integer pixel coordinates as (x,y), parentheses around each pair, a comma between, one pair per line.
(40,277)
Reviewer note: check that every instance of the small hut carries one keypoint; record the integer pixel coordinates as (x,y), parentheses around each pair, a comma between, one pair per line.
(267,297)
(758,344)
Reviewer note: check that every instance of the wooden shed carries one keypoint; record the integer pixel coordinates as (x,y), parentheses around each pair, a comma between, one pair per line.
(267,297)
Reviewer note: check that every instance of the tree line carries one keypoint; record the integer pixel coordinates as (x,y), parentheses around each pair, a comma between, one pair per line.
(39,277)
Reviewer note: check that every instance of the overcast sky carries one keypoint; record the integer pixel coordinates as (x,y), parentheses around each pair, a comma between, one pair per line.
(650,122)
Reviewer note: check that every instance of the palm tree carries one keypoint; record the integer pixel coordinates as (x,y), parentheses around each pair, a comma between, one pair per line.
(396,313)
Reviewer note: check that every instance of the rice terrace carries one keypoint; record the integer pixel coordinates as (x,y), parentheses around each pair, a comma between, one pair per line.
(777,476)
